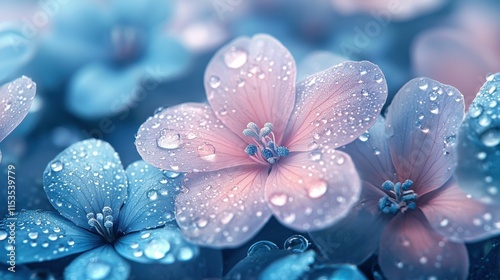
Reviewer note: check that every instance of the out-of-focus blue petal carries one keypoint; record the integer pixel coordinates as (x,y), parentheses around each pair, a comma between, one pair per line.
(15,50)
(255,263)
(15,101)
(316,62)
(290,267)
(146,13)
(83,179)
(32,118)
(336,272)
(151,198)
(478,149)
(163,245)
(164,59)
(43,236)
(100,263)
(100,90)
(21,272)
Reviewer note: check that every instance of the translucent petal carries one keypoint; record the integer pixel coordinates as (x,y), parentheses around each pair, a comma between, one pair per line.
(83,179)
(336,106)
(15,102)
(189,138)
(163,245)
(459,216)
(478,147)
(15,50)
(44,236)
(252,80)
(291,267)
(150,198)
(316,62)
(223,208)
(411,249)
(422,124)
(312,190)
(99,264)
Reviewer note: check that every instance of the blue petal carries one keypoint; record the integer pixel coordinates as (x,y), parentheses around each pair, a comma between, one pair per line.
(317,61)
(255,263)
(21,272)
(43,236)
(15,50)
(100,263)
(336,272)
(100,90)
(290,267)
(478,147)
(151,198)
(83,179)
(164,245)
(147,13)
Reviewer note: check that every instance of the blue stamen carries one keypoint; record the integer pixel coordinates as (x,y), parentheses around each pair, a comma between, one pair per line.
(265,150)
(407,185)
(252,126)
(282,151)
(388,185)
(266,154)
(400,197)
(250,133)
(265,131)
(412,205)
(251,150)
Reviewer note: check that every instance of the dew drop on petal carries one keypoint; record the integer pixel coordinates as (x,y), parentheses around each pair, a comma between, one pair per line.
(33,235)
(3,235)
(317,189)
(235,58)
(156,248)
(491,137)
(423,85)
(97,270)
(261,246)
(279,199)
(206,151)
(185,254)
(169,140)
(56,166)
(152,194)
(214,82)
(296,243)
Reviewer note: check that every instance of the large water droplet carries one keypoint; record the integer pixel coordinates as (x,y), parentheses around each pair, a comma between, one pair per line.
(56,166)
(206,151)
(152,194)
(33,235)
(3,235)
(169,140)
(185,254)
(235,58)
(491,137)
(97,270)
(475,110)
(214,82)
(156,248)
(317,188)
(278,199)
(296,243)
(261,246)
(226,218)
(364,137)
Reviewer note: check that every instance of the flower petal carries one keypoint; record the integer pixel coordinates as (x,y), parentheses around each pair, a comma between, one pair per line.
(458,216)
(252,80)
(370,153)
(44,236)
(189,138)
(422,123)
(292,267)
(478,145)
(168,64)
(163,245)
(100,263)
(15,102)
(311,191)
(356,237)
(317,61)
(15,50)
(150,198)
(411,249)
(223,208)
(83,179)
(336,106)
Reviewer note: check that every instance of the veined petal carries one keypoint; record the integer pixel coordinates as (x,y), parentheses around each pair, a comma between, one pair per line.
(163,245)
(100,263)
(312,190)
(252,80)
(458,216)
(188,138)
(150,199)
(356,237)
(335,106)
(422,123)
(478,145)
(15,102)
(370,153)
(411,249)
(83,179)
(44,236)
(223,208)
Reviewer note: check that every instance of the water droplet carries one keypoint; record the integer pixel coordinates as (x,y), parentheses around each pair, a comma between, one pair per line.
(3,235)
(202,222)
(475,110)
(362,70)
(444,222)
(424,129)
(169,140)
(317,188)
(156,248)
(241,82)
(185,254)
(52,237)
(261,246)
(171,174)
(492,89)
(152,194)
(364,137)
(235,58)
(279,199)
(97,270)
(206,152)
(33,235)
(56,166)
(491,137)
(315,155)
(433,96)
(378,78)
(364,92)
(226,218)
(484,120)
(435,109)
(296,243)
(481,155)
(423,85)
(214,82)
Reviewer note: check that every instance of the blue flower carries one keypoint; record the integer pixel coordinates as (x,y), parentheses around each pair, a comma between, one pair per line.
(110,214)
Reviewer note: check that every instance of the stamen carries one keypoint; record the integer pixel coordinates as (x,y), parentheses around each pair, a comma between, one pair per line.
(251,150)
(401,197)
(266,149)
(103,223)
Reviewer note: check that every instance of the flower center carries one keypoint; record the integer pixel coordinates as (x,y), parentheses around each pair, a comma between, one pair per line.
(400,197)
(103,223)
(265,148)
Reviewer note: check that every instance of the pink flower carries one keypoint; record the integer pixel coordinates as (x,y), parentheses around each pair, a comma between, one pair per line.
(411,212)
(264,145)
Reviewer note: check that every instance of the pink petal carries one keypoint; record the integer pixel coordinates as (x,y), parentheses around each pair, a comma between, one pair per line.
(411,249)
(370,153)
(356,237)
(458,216)
(15,102)
(252,80)
(336,106)
(422,123)
(223,208)
(189,138)
(311,191)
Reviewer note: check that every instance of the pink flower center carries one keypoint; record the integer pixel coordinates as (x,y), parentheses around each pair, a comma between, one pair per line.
(265,149)
(400,197)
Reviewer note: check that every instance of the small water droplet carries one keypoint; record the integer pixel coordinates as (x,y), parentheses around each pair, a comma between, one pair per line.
(484,120)
(156,248)
(152,194)
(56,166)
(475,110)
(317,189)
(261,246)
(424,129)
(52,237)
(214,82)
(492,89)
(169,140)
(171,174)
(3,235)
(185,254)
(33,235)
(279,199)
(97,270)
(423,85)
(315,155)
(378,78)
(364,137)
(206,151)
(433,96)
(491,137)
(481,155)
(202,222)
(235,58)
(296,243)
